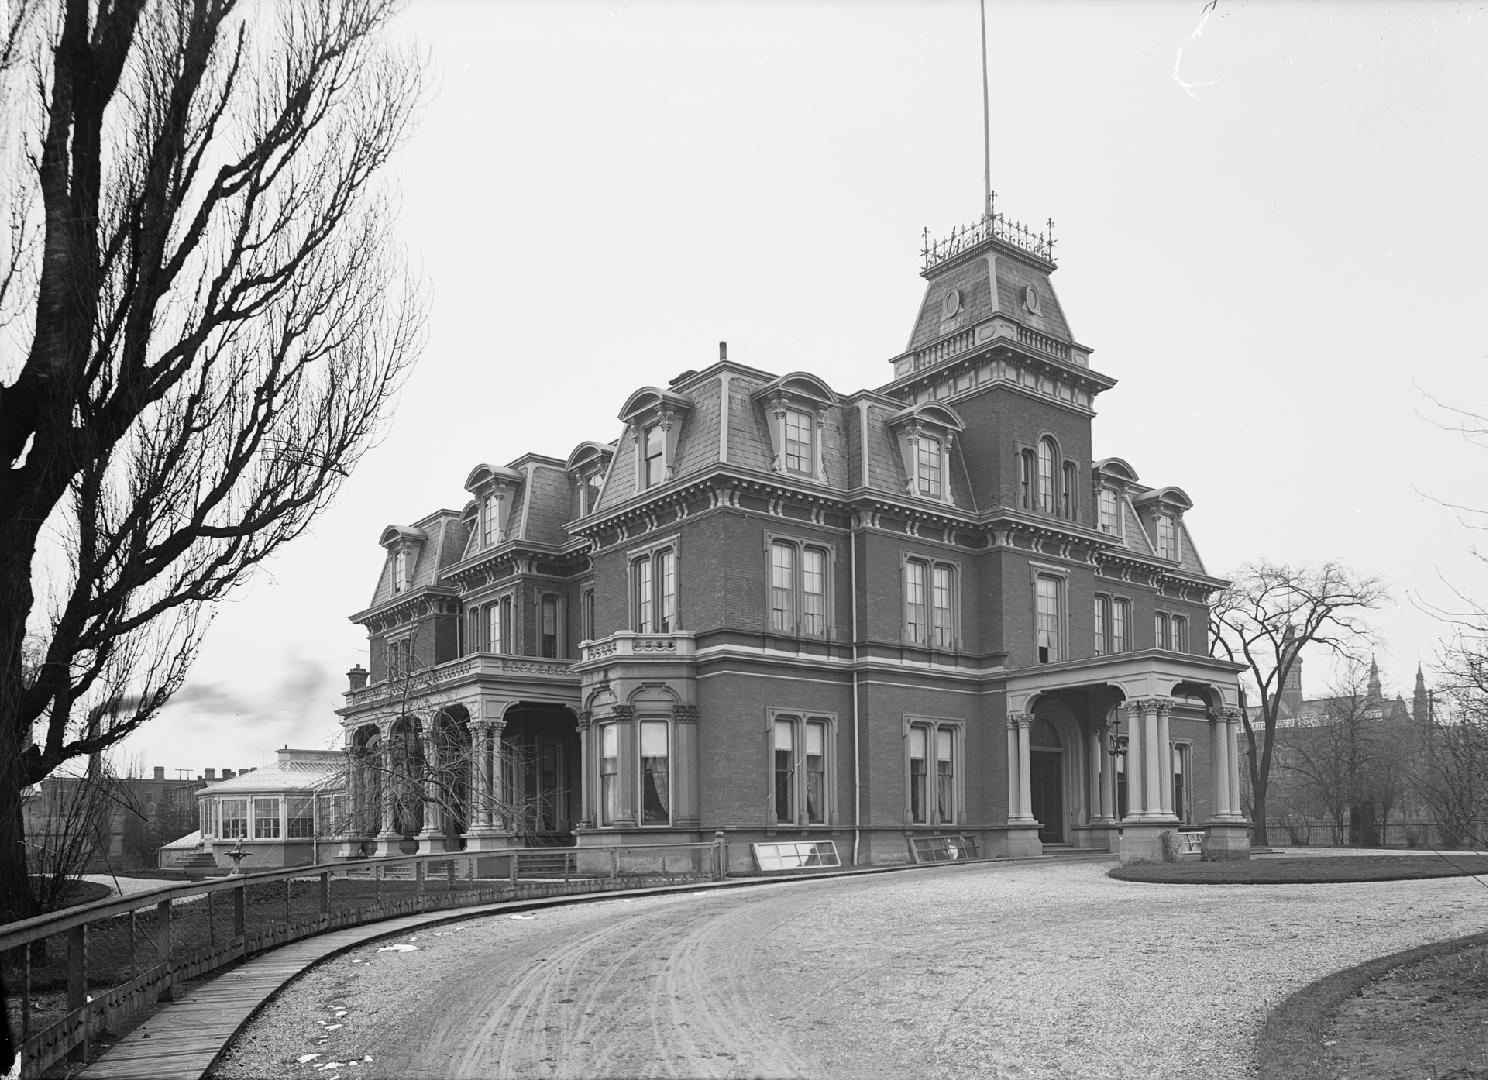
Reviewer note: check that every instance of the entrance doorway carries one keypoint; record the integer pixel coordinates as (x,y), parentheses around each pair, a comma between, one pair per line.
(1045,785)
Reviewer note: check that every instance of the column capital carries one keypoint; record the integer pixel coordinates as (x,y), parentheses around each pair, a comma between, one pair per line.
(1225,716)
(685,714)
(1016,720)
(622,712)
(583,718)
(1151,704)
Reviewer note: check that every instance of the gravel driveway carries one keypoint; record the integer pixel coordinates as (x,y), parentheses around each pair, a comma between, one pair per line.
(993,971)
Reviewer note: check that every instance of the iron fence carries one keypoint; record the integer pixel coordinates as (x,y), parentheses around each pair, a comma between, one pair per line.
(1428,836)
(75,973)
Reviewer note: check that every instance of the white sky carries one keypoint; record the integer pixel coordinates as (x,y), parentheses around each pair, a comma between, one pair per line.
(1271,230)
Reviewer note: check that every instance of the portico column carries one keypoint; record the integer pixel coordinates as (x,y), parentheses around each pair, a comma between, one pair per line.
(1219,769)
(495,786)
(586,759)
(1020,797)
(433,796)
(1136,800)
(1232,745)
(389,786)
(1165,757)
(1108,771)
(1093,769)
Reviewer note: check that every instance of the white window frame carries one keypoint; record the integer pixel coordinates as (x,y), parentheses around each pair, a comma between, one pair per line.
(1110,524)
(659,611)
(664,725)
(276,821)
(306,804)
(930,631)
(1103,616)
(785,586)
(1162,631)
(800,724)
(492,514)
(931,480)
(798,456)
(400,569)
(1047,475)
(611,791)
(1050,629)
(1121,622)
(243,825)
(657,430)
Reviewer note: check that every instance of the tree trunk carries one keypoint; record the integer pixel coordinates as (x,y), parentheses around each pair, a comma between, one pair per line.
(17,901)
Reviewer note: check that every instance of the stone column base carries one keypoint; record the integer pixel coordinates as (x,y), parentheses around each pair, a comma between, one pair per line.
(1226,840)
(490,840)
(1023,840)
(1142,841)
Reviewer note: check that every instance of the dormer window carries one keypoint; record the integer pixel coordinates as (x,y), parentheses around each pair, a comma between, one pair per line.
(403,546)
(400,570)
(798,431)
(491,513)
(929,466)
(796,407)
(1110,522)
(586,468)
(655,419)
(494,488)
(1167,538)
(926,434)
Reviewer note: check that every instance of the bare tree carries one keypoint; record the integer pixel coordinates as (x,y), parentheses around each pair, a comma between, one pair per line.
(1453,778)
(214,322)
(1264,619)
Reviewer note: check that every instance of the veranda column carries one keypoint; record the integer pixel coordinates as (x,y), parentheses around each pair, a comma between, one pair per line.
(496,794)
(354,784)
(1219,769)
(1165,756)
(1151,759)
(480,776)
(1012,767)
(389,785)
(433,794)
(1093,769)
(586,759)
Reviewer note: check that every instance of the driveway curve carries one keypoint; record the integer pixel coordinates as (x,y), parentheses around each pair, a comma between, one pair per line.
(990,970)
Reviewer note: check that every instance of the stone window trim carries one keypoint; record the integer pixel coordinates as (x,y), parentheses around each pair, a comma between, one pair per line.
(652,409)
(800,546)
(928,628)
(477,623)
(552,602)
(936,426)
(1112,624)
(649,554)
(621,788)
(1050,627)
(927,811)
(1048,482)
(790,788)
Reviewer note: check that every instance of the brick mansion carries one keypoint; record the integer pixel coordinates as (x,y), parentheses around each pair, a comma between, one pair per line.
(786,612)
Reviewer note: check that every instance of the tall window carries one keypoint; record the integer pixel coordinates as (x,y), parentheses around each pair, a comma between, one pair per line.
(656,799)
(548,614)
(1180,633)
(655,598)
(785,771)
(234,819)
(914,601)
(1162,634)
(1050,614)
(1067,491)
(932,773)
(814,592)
(1027,468)
(400,570)
(265,819)
(1167,539)
(783,587)
(928,466)
(798,432)
(498,626)
(586,615)
(491,520)
(1102,625)
(1120,620)
(1048,456)
(1109,522)
(942,624)
(654,441)
(799,748)
(609,773)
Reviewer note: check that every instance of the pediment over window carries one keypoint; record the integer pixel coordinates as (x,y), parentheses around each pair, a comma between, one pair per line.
(393,535)
(655,418)
(403,545)
(494,488)
(587,466)
(929,414)
(1116,468)
(799,386)
(491,475)
(1167,498)
(651,402)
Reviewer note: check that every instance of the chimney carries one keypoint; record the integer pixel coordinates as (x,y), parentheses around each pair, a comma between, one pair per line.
(357,677)
(228,774)
(209,774)
(723,350)
(159,772)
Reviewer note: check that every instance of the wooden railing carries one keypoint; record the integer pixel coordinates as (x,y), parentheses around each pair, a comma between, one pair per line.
(73,974)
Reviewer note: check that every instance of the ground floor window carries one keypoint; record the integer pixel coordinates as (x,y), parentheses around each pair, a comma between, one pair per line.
(932,753)
(800,746)
(656,802)
(609,773)
(299,812)
(1180,781)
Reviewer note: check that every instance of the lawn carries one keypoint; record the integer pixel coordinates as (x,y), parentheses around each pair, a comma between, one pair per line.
(1304,870)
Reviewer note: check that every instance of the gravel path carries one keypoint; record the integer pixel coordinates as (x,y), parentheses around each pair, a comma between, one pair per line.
(997,971)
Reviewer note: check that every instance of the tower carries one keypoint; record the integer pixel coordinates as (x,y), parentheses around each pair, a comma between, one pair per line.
(1421,702)
(1291,686)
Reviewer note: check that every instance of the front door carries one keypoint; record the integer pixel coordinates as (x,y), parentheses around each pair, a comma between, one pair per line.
(1045,785)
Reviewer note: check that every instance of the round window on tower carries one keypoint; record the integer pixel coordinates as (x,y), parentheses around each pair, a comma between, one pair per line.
(1031,298)
(951,304)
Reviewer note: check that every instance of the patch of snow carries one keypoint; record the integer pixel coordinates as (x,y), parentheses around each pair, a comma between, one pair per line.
(400,947)
(306,1057)
(334,1027)
(524,916)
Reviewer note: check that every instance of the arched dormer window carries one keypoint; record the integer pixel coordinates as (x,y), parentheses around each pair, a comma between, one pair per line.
(926,435)
(796,410)
(403,547)
(654,418)
(587,467)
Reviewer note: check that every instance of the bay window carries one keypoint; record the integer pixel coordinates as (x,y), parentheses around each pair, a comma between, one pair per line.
(656,803)
(609,773)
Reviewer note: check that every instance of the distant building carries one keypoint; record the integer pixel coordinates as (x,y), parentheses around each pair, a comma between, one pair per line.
(786,612)
(283,814)
(136,815)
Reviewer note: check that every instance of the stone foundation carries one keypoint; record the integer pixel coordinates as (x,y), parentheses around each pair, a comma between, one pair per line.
(1226,840)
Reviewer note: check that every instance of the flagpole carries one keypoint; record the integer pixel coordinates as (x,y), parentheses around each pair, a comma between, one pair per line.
(986,120)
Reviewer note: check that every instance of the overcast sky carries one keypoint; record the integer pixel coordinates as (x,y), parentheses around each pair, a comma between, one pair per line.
(1271,227)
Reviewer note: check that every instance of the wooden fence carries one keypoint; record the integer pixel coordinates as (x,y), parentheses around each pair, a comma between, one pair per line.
(76,973)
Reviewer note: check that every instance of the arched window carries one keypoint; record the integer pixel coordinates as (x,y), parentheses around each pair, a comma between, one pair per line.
(1048,456)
